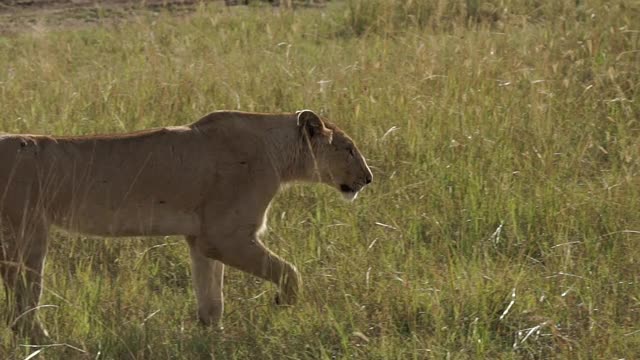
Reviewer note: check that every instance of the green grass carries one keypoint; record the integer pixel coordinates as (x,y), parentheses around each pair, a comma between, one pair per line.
(504,215)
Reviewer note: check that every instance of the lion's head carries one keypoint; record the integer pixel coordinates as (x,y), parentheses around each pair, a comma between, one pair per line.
(336,159)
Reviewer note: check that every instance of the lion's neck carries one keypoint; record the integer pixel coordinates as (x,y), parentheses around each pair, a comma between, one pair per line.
(286,154)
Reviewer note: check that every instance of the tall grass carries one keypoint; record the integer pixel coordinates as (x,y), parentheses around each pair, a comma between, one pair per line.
(502,221)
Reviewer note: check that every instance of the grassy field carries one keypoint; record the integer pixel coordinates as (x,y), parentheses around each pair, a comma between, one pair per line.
(503,221)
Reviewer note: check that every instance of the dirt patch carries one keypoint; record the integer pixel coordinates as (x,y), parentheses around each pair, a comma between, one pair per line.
(24,15)
(13,6)
(18,16)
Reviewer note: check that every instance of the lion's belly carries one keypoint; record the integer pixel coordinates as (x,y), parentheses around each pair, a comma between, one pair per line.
(132,221)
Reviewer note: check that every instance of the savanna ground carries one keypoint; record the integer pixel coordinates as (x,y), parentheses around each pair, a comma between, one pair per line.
(503,136)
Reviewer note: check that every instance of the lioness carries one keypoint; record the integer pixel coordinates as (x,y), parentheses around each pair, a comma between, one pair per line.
(211,181)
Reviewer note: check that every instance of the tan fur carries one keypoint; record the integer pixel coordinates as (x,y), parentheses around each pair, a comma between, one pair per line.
(211,181)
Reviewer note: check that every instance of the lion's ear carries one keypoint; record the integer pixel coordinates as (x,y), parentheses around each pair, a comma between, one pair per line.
(309,121)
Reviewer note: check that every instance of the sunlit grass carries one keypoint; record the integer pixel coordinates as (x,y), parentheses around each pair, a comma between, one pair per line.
(502,221)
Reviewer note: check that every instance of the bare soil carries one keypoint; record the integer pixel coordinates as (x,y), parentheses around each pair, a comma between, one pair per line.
(24,15)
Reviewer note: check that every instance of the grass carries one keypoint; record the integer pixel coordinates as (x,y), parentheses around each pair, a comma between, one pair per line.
(502,221)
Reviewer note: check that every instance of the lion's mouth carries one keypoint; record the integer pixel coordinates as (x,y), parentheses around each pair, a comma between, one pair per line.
(348,192)
(346,188)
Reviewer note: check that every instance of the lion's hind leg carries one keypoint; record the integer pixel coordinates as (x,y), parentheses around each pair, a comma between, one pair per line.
(22,256)
(8,266)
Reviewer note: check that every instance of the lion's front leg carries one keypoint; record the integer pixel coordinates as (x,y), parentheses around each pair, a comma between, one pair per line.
(248,253)
(208,278)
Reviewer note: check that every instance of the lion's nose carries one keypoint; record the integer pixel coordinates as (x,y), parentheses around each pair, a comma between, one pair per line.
(368,178)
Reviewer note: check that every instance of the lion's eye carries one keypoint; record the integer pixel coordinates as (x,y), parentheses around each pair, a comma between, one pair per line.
(352,152)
